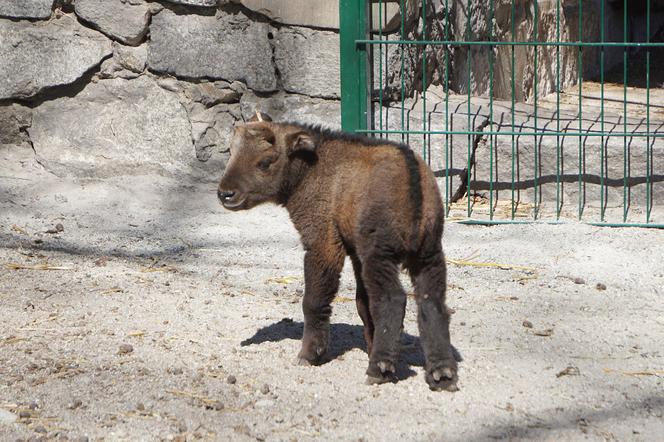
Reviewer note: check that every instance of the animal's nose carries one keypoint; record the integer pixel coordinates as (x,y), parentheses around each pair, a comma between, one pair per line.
(224,195)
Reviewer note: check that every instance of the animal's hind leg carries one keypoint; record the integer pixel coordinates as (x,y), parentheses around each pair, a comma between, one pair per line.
(387,305)
(429,276)
(362,302)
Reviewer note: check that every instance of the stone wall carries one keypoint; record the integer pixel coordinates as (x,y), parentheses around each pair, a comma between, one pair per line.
(112,87)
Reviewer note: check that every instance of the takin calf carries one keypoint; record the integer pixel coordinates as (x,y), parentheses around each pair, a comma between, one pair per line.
(368,198)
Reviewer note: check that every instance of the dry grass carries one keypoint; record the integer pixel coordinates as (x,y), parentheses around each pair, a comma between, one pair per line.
(635,373)
(283,280)
(42,266)
(496,265)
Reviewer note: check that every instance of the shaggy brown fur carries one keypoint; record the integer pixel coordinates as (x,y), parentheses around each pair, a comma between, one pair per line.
(371,199)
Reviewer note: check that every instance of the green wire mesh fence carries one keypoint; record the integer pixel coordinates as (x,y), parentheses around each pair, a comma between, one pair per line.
(525,110)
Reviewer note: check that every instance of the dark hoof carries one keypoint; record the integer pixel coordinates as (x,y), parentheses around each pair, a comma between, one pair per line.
(316,357)
(373,380)
(380,373)
(442,378)
(303,362)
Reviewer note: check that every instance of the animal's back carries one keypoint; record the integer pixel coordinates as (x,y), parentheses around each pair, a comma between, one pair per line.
(381,189)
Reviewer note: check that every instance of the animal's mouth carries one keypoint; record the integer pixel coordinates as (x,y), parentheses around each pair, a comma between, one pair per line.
(234,203)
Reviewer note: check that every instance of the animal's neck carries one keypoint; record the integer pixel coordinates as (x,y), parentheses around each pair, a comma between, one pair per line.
(298,170)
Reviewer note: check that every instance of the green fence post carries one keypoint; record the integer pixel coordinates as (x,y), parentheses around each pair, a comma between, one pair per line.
(353,60)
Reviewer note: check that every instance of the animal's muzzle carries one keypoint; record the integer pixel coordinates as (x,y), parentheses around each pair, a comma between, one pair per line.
(225,195)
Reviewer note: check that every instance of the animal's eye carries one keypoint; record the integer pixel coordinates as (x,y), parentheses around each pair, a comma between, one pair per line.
(264,164)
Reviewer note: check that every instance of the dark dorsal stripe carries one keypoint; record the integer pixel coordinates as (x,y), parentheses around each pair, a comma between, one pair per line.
(415,185)
(412,166)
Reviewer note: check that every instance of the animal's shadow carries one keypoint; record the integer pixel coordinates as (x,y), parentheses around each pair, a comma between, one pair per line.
(343,338)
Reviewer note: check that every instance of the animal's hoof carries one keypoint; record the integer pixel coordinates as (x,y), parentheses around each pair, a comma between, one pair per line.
(314,356)
(381,379)
(442,378)
(443,373)
(303,362)
(380,373)
(386,367)
(372,380)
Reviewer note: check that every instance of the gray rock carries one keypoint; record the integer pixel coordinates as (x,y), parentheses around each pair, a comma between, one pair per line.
(211,130)
(114,127)
(155,8)
(238,87)
(319,13)
(131,58)
(111,69)
(74,404)
(14,119)
(170,84)
(225,47)
(308,61)
(34,56)
(125,349)
(211,94)
(127,62)
(315,13)
(26,8)
(208,3)
(134,59)
(286,107)
(121,20)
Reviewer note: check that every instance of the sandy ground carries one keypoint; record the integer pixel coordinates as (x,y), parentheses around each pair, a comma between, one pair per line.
(172,319)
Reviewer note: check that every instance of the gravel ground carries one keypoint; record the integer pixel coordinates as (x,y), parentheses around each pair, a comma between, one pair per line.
(171,319)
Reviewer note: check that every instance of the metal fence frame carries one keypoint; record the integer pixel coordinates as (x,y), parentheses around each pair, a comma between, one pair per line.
(357,46)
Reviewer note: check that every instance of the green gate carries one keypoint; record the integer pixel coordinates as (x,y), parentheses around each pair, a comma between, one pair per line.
(525,110)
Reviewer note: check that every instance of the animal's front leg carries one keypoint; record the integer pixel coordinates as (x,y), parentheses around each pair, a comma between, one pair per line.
(321,282)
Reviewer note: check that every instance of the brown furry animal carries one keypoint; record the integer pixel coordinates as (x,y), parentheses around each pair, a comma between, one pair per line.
(371,199)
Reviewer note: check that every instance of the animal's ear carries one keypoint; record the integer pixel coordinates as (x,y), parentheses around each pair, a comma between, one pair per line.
(259,117)
(261,131)
(300,141)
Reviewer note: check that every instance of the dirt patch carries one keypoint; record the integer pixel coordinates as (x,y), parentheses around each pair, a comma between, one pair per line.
(151,313)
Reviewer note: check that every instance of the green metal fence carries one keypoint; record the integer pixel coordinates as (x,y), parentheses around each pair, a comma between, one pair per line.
(525,110)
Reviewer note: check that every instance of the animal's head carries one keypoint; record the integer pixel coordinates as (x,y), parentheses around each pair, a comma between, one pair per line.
(261,155)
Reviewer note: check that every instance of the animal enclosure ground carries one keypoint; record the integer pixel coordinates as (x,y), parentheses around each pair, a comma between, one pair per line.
(170,318)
